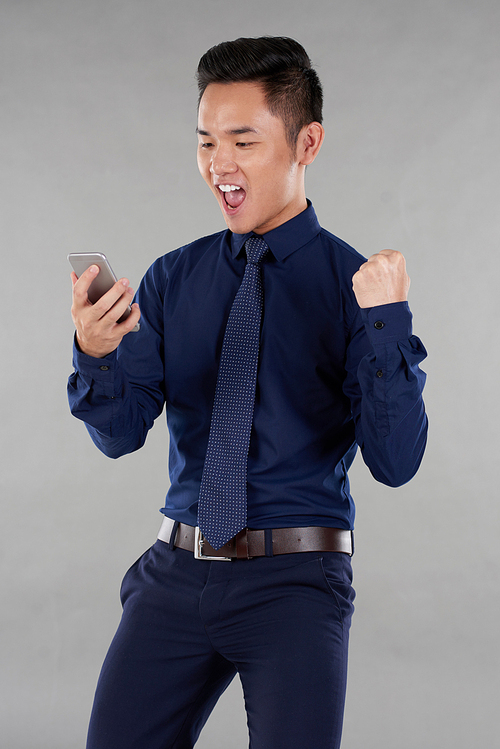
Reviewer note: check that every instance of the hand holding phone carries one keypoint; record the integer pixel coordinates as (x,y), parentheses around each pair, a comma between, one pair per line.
(101,309)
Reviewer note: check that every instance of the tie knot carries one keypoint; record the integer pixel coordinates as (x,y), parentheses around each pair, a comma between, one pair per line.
(256,248)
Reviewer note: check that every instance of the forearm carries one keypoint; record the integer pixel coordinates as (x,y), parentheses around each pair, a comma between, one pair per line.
(390,419)
(117,415)
(120,395)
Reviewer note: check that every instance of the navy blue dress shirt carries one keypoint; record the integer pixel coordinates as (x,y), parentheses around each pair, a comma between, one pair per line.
(331,376)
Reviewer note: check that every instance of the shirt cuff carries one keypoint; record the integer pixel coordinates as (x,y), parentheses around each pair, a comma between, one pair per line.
(98,369)
(387,323)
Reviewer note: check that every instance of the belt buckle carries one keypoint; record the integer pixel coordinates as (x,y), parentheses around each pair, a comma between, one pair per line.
(199,539)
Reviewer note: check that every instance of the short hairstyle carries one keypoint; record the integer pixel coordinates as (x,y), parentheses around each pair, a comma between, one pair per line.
(281,65)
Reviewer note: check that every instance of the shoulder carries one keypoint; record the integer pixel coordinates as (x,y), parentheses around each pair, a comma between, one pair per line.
(184,259)
(343,252)
(339,262)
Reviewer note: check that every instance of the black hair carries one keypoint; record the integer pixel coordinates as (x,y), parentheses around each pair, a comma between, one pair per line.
(281,65)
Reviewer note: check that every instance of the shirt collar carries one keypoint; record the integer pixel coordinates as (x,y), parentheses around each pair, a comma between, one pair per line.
(286,238)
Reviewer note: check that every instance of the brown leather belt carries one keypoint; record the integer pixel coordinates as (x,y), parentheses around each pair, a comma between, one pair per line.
(252,543)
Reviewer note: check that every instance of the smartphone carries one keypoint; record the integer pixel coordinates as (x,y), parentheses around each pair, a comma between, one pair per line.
(80,261)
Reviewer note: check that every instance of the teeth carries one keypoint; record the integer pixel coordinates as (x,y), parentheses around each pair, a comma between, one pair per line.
(228,188)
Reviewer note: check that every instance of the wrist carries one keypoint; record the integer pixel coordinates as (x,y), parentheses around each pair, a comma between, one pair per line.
(89,350)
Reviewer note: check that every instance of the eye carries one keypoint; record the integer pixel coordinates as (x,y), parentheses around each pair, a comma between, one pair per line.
(206,145)
(244,145)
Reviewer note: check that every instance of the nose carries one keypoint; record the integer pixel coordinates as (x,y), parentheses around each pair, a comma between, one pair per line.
(222,163)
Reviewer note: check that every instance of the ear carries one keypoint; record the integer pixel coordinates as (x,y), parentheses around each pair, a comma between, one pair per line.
(309,142)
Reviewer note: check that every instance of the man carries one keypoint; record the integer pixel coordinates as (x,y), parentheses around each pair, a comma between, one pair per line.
(266,399)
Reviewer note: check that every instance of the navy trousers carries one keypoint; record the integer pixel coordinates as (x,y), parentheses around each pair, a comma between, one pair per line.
(188,626)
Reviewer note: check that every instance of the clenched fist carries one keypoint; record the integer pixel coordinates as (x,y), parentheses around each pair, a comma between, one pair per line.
(381,280)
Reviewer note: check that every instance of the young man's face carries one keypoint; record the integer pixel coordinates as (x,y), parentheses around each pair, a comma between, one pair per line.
(245,159)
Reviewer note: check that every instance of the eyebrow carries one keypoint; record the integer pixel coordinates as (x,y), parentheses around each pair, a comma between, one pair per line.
(235,131)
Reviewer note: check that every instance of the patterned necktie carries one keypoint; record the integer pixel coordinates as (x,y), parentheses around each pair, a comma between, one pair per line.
(222,507)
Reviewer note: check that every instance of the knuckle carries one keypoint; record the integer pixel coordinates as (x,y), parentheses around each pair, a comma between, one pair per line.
(100,306)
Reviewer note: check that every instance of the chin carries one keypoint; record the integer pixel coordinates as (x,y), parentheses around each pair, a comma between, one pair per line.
(237,226)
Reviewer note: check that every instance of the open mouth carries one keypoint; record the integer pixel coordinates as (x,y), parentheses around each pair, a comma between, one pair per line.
(232,195)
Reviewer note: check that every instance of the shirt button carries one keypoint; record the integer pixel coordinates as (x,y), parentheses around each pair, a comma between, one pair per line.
(104,368)
(380,373)
(379,325)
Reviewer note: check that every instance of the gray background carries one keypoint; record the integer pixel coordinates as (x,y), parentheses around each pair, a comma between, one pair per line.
(97,152)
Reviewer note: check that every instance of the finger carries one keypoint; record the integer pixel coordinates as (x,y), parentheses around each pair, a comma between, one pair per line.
(389,252)
(387,259)
(81,285)
(114,330)
(114,313)
(360,269)
(394,256)
(119,295)
(127,325)
(380,256)
(109,336)
(376,258)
